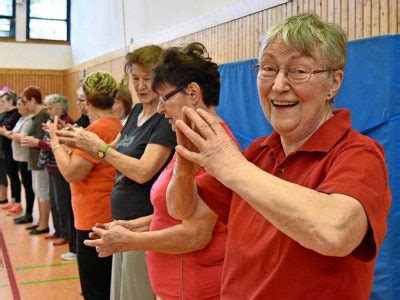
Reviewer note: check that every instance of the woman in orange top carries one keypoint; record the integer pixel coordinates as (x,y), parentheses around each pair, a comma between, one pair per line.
(91,182)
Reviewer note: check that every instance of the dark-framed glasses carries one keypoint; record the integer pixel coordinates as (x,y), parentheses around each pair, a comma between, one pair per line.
(164,98)
(294,74)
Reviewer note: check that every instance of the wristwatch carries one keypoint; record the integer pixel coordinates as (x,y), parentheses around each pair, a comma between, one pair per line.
(102,152)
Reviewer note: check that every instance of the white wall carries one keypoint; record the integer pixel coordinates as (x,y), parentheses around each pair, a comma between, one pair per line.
(29,55)
(98,26)
(35,56)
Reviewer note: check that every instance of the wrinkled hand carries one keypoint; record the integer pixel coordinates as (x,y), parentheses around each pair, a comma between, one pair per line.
(217,153)
(82,139)
(137,225)
(29,141)
(183,166)
(110,240)
(51,128)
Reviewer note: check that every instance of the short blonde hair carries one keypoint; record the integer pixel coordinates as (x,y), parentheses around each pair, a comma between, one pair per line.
(307,33)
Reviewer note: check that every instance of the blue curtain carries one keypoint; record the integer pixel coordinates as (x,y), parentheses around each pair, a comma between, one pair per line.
(371,90)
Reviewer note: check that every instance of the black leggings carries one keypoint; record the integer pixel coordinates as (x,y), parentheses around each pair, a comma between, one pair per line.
(12,172)
(3,172)
(94,272)
(26,177)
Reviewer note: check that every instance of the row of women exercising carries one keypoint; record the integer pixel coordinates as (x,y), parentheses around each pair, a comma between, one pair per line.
(299,214)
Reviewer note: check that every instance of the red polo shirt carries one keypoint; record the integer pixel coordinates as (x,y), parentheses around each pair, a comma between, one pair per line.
(262,262)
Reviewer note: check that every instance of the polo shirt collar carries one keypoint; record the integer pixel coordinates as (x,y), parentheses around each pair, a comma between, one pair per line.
(323,140)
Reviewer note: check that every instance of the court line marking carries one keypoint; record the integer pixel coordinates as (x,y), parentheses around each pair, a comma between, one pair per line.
(8,265)
(48,280)
(45,266)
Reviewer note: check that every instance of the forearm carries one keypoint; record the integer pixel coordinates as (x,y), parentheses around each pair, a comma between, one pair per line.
(311,218)
(182,197)
(138,225)
(63,160)
(129,166)
(177,239)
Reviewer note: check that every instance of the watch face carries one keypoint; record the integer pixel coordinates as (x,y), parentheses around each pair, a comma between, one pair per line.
(100,154)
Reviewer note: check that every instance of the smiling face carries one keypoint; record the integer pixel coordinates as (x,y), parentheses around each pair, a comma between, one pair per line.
(141,82)
(295,111)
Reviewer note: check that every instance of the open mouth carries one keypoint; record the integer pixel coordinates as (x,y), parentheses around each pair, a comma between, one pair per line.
(277,103)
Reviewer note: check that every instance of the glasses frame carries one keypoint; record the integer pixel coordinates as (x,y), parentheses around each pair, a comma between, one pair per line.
(164,98)
(257,68)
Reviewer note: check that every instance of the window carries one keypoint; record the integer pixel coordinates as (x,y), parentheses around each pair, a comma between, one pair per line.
(7,18)
(48,19)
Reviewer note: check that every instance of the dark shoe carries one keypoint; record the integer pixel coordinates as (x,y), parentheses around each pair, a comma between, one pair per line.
(4,201)
(39,231)
(23,220)
(32,227)
(60,241)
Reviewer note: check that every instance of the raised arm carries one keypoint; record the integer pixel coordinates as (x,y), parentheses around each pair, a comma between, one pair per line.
(73,168)
(140,170)
(332,224)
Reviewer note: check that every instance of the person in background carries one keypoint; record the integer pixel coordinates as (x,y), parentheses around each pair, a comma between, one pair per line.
(123,103)
(141,151)
(3,172)
(8,122)
(83,120)
(21,156)
(60,194)
(40,178)
(91,181)
(307,206)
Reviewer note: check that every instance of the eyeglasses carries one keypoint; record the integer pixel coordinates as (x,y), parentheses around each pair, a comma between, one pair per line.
(163,98)
(294,74)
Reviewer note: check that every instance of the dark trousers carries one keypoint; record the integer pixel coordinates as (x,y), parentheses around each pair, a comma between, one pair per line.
(94,272)
(12,172)
(26,177)
(60,202)
(3,171)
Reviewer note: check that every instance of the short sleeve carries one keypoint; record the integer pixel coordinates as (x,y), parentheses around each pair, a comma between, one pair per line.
(361,173)
(163,134)
(98,130)
(215,195)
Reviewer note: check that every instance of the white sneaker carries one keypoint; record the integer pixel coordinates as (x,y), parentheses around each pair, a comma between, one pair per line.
(68,256)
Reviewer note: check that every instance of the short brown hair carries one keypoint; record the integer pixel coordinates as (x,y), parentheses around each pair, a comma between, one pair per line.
(33,92)
(146,56)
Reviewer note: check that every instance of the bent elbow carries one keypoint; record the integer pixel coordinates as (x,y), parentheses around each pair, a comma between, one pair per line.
(179,213)
(337,243)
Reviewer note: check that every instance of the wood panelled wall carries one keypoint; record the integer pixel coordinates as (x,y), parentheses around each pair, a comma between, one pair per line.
(49,81)
(238,40)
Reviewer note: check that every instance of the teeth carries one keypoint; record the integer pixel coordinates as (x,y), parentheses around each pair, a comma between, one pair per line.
(283,103)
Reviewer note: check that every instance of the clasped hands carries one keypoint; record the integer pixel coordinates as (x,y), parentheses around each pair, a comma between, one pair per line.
(203,142)
(73,136)
(116,236)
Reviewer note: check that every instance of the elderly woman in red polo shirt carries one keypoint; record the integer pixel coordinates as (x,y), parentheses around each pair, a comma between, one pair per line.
(307,206)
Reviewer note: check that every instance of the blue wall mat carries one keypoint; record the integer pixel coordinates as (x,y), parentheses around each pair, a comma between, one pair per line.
(371,90)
